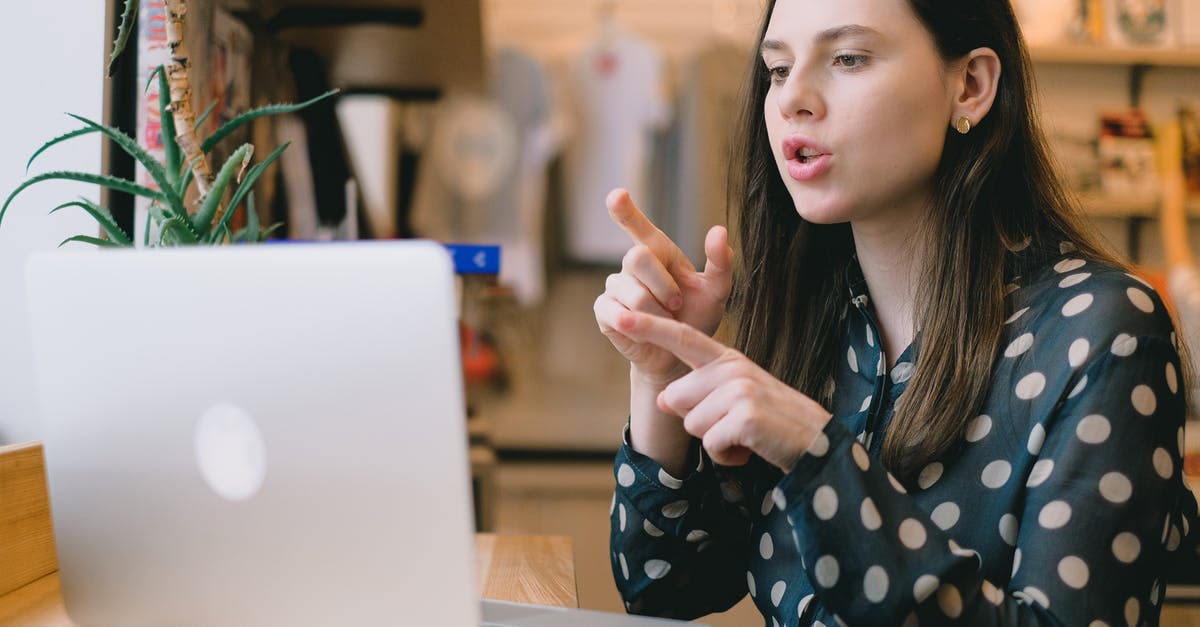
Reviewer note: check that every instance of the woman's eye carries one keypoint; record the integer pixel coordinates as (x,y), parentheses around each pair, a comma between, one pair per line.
(778,74)
(850,60)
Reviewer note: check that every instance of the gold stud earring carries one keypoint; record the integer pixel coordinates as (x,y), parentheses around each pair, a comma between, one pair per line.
(963,125)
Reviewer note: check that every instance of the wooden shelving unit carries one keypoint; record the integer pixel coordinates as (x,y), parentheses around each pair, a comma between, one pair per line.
(1100,206)
(1099,54)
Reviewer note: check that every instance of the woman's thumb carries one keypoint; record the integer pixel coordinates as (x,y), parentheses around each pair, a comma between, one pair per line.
(719,263)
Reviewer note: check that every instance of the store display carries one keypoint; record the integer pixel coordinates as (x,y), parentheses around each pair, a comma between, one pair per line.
(1140,22)
(1127,156)
(616,85)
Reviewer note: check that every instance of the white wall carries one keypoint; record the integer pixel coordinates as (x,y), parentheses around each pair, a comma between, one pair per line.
(54,63)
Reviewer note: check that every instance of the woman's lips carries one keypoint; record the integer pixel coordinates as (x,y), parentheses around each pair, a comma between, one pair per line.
(805,168)
(808,169)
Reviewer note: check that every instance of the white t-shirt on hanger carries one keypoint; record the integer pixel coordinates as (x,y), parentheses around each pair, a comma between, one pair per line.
(616,89)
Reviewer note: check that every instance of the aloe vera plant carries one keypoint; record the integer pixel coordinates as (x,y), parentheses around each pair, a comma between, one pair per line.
(185,160)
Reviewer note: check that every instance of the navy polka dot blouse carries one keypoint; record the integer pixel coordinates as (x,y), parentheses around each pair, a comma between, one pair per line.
(1066,503)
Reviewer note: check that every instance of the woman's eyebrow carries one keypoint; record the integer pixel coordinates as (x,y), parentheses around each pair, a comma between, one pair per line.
(826,36)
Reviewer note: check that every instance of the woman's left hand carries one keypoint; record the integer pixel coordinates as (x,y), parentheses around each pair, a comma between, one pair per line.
(730,403)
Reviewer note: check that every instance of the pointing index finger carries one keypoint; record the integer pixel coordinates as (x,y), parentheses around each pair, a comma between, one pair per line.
(642,230)
(690,345)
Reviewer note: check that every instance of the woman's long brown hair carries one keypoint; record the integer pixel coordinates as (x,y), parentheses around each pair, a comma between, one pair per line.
(994,188)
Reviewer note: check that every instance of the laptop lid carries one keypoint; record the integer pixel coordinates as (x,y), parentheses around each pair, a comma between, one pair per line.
(260,435)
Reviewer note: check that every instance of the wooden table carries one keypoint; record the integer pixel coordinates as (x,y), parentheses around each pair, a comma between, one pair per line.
(525,568)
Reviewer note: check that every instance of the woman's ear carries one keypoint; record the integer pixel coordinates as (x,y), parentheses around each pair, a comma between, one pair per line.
(978,78)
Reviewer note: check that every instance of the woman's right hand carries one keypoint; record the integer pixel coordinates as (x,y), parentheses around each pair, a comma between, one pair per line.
(657,278)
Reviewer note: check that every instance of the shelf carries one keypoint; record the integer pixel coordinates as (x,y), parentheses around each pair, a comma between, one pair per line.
(1099,206)
(1111,55)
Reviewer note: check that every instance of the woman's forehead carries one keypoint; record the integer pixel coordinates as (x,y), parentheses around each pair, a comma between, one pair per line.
(816,21)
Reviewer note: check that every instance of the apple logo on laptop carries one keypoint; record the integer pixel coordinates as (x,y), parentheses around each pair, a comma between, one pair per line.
(230,452)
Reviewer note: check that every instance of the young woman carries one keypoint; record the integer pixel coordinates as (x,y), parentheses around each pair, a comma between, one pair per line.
(946,402)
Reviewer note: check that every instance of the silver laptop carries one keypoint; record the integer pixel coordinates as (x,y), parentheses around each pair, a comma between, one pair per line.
(260,436)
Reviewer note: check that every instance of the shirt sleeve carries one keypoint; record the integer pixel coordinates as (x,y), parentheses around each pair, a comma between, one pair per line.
(1102,514)
(678,546)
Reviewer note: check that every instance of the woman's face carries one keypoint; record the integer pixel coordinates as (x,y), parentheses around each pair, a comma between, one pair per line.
(857,110)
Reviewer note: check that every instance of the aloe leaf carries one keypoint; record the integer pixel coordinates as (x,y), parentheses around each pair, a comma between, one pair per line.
(146,229)
(112,182)
(153,73)
(204,116)
(131,7)
(248,185)
(60,138)
(202,220)
(103,217)
(274,109)
(171,153)
(267,232)
(179,229)
(186,179)
(252,225)
(130,145)
(87,239)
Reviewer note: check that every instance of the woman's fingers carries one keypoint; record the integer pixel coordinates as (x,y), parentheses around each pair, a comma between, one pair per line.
(645,267)
(634,295)
(635,223)
(719,263)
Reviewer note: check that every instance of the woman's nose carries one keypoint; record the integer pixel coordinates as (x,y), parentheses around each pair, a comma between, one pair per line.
(799,96)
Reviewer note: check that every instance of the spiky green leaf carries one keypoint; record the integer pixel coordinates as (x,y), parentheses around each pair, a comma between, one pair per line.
(126,28)
(204,116)
(202,221)
(60,138)
(111,182)
(177,231)
(274,109)
(171,153)
(130,146)
(248,184)
(87,239)
(153,74)
(103,217)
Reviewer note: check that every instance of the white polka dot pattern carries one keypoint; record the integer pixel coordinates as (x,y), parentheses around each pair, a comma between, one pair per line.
(945,515)
(1030,386)
(1124,345)
(1037,437)
(826,571)
(1093,429)
(1140,300)
(1071,466)
(825,502)
(1019,346)
(979,427)
(669,481)
(870,515)
(766,546)
(924,587)
(875,584)
(777,592)
(1008,529)
(1073,571)
(950,600)
(1163,464)
(625,475)
(996,474)
(1077,305)
(675,509)
(930,475)
(1016,316)
(657,569)
(1039,473)
(1143,400)
(912,534)
(1054,515)
(1115,487)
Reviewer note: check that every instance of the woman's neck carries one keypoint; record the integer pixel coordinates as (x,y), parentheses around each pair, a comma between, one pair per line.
(891,259)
